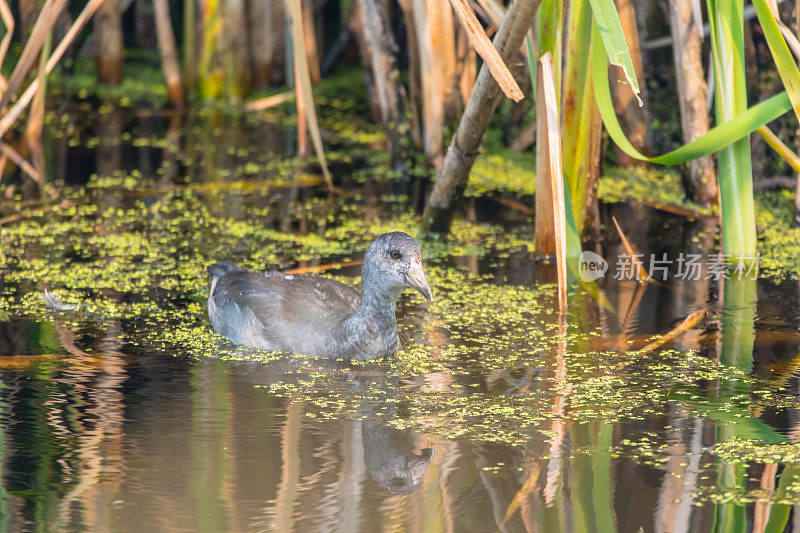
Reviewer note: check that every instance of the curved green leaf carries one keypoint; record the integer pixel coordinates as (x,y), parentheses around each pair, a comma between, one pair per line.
(784,61)
(717,138)
(610,30)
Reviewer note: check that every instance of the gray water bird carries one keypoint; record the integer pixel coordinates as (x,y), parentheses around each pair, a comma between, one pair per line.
(316,316)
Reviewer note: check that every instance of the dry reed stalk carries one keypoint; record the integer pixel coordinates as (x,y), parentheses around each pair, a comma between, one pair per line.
(44,23)
(20,161)
(547,105)
(310,38)
(302,117)
(234,42)
(169,53)
(33,130)
(493,9)
(267,40)
(303,84)
(414,75)
(483,46)
(687,323)
(3,162)
(435,36)
(109,62)
(467,66)
(380,55)
(8,19)
(270,101)
(19,106)
(642,274)
(496,11)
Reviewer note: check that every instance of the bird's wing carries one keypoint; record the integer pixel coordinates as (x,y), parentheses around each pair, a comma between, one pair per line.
(284,310)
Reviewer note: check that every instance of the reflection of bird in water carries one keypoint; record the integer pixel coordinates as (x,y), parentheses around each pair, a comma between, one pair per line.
(392,459)
(318,316)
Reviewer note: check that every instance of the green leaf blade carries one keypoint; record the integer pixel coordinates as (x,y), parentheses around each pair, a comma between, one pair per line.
(610,29)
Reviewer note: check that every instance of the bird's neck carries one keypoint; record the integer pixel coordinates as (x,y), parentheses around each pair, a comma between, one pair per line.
(376,310)
(378,301)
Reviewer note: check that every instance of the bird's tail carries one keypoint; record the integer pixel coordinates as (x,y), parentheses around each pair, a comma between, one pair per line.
(219,269)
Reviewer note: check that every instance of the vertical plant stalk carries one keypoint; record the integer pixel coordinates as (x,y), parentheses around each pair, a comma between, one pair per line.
(310,38)
(33,130)
(33,46)
(8,19)
(302,117)
(414,75)
(692,91)
(27,16)
(581,126)
(304,84)
(547,105)
(467,66)
(549,24)
(190,43)
(110,50)
(210,72)
(737,210)
(468,136)
(13,114)
(233,46)
(169,52)
(381,51)
(634,118)
(354,23)
(433,22)
(266,40)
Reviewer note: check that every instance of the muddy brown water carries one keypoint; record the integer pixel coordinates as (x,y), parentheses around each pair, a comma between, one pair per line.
(116,437)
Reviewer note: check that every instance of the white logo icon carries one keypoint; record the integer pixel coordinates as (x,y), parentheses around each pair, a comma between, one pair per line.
(591,266)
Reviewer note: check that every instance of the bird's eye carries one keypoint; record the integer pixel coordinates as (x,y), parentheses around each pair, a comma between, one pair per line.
(395,254)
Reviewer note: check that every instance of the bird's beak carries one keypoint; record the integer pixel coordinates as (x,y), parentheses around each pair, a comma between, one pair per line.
(416,278)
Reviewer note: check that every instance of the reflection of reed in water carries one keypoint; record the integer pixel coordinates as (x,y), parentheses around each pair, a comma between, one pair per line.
(99,470)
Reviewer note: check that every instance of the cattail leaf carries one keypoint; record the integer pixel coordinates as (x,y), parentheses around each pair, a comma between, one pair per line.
(717,138)
(616,47)
(784,61)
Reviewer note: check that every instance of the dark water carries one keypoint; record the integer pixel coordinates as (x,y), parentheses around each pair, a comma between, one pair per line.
(99,433)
